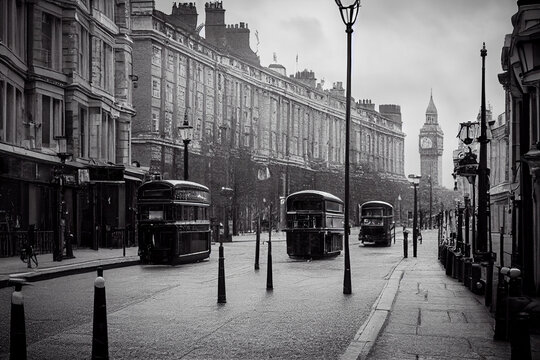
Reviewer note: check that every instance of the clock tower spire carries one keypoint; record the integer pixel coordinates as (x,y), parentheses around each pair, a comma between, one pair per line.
(430,145)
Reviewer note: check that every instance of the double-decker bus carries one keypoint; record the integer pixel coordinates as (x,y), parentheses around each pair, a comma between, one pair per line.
(376,223)
(314,224)
(174,226)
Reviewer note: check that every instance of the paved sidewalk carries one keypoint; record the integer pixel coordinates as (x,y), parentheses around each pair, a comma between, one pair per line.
(433,316)
(85,260)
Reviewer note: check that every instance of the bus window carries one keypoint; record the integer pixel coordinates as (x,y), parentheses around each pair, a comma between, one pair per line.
(334,206)
(154,212)
(372,212)
(305,204)
(190,213)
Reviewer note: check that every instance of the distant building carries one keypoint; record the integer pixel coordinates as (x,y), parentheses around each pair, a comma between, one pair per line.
(430,145)
(246,116)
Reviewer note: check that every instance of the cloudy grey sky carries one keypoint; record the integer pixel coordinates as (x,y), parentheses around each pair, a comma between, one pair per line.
(402,50)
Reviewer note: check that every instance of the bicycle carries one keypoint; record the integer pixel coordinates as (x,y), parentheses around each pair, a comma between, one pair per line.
(29,256)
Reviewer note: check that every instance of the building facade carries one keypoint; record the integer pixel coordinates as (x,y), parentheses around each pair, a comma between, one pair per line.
(256,130)
(521,81)
(430,145)
(500,182)
(65,120)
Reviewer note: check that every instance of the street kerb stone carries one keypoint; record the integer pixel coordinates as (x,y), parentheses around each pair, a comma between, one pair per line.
(368,333)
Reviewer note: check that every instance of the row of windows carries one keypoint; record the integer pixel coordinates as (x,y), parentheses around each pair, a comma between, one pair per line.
(103,72)
(18,126)
(106,7)
(48,42)
(12,26)
(173,212)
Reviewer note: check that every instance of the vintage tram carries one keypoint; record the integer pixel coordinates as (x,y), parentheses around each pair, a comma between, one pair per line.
(314,224)
(174,226)
(376,223)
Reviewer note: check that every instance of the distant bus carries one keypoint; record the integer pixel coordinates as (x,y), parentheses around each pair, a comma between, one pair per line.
(174,226)
(314,224)
(376,223)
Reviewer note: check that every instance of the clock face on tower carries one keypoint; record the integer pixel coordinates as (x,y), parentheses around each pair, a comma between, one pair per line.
(426,143)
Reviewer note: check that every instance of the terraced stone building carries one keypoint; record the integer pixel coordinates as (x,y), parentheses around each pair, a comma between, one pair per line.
(256,130)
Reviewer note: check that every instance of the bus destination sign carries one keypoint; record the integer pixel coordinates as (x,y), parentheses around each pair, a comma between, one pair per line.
(192,195)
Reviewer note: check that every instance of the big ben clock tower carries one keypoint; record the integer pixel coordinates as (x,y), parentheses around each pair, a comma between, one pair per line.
(430,144)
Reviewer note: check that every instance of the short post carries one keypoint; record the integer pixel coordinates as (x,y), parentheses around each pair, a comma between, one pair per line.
(69,246)
(258,242)
(501,246)
(394,233)
(100,342)
(17,336)
(405,243)
(477,285)
(222,298)
(467,264)
(269,279)
(520,340)
(501,326)
(489,281)
(449,260)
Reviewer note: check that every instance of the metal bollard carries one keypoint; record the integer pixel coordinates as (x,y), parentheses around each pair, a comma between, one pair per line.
(501,331)
(467,264)
(405,244)
(444,251)
(460,264)
(269,278)
(514,282)
(455,265)
(449,261)
(17,336)
(477,285)
(100,342)
(520,340)
(257,243)
(222,298)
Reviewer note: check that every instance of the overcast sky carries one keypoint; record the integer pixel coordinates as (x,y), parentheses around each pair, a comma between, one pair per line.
(402,50)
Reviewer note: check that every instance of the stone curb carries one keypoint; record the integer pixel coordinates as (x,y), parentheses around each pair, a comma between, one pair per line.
(366,336)
(64,270)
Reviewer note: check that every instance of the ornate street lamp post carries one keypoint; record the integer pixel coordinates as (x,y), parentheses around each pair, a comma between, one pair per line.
(399,211)
(227,193)
(430,202)
(415,180)
(483,172)
(348,15)
(468,166)
(63,154)
(186,133)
